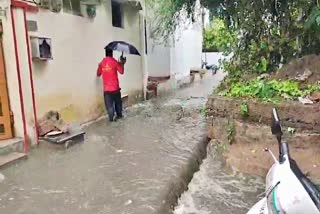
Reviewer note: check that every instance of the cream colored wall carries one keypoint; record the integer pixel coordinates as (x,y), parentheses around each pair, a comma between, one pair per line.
(133,27)
(68,83)
(25,74)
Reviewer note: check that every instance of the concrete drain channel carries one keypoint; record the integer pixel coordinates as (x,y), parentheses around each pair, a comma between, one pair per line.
(180,184)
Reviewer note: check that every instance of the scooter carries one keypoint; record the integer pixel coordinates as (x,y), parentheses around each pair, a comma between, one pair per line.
(288,190)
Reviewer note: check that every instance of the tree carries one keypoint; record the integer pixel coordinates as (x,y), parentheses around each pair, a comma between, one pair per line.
(217,37)
(165,15)
(267,33)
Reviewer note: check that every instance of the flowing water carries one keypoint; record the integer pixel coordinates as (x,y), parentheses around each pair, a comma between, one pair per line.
(138,165)
(217,190)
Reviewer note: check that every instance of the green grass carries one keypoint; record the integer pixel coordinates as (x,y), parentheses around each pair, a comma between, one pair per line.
(269,90)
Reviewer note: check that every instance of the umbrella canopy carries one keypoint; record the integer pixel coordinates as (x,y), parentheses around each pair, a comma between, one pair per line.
(122,47)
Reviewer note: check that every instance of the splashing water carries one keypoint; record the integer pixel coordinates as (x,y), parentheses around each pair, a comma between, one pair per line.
(216,190)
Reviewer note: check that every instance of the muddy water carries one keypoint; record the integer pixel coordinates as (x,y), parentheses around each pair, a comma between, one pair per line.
(216,189)
(126,167)
(137,165)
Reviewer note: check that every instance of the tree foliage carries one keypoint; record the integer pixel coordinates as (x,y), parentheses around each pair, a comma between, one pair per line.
(217,37)
(313,21)
(270,33)
(166,14)
(267,33)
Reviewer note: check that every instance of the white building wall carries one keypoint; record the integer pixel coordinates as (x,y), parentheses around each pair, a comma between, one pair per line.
(176,59)
(159,60)
(213,57)
(187,51)
(68,83)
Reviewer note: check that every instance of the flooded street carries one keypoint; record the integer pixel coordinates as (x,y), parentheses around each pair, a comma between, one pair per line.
(137,165)
(216,190)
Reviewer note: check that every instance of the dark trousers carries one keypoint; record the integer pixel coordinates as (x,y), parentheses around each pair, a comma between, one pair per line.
(113,104)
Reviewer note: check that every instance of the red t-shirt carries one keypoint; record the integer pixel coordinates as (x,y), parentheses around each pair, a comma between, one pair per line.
(109,69)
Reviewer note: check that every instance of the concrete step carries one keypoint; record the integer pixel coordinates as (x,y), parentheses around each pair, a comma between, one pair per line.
(158,79)
(11,158)
(11,145)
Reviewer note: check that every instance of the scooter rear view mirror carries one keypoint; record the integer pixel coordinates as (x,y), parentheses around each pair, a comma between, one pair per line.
(275,125)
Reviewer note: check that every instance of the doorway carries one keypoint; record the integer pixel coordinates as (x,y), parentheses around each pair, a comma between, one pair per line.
(5,118)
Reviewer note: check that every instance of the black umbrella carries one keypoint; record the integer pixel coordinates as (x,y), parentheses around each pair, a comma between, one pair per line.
(123,47)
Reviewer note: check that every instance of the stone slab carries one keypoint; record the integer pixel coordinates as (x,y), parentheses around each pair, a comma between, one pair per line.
(11,158)
(11,145)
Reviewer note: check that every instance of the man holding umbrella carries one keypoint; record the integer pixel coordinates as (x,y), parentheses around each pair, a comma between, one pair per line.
(109,69)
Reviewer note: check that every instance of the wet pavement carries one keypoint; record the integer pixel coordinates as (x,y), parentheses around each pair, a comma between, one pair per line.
(121,168)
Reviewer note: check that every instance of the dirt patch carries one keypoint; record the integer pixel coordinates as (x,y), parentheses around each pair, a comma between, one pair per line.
(250,158)
(305,70)
(298,67)
(249,135)
(246,153)
(293,114)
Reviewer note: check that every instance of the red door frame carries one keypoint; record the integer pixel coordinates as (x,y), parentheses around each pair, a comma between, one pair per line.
(30,8)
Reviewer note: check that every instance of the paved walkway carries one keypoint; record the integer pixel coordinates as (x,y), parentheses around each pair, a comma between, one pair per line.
(122,168)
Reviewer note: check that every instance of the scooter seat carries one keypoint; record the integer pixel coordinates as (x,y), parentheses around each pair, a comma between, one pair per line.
(310,187)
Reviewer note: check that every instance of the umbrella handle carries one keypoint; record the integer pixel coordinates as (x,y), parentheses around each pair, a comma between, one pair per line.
(122,57)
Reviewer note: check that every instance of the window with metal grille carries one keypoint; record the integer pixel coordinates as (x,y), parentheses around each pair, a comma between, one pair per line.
(117,14)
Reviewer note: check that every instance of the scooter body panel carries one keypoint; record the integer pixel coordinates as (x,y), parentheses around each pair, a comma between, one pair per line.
(288,194)
(260,207)
(284,193)
(288,191)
